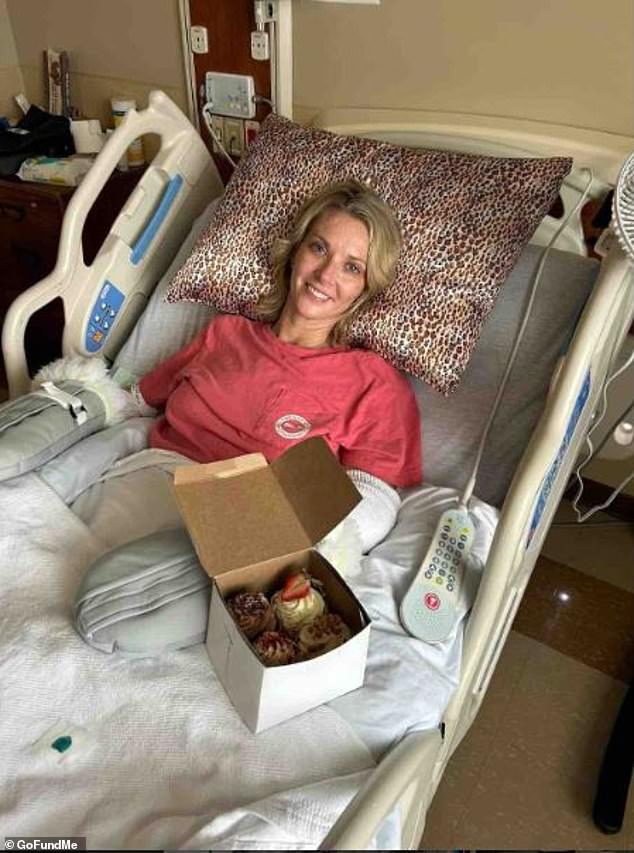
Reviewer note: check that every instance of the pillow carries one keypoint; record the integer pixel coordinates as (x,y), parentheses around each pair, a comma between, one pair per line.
(464,219)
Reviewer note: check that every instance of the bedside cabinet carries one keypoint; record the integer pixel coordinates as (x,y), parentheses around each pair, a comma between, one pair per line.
(31,217)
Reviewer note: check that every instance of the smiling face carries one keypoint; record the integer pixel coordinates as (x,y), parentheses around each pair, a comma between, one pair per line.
(328,274)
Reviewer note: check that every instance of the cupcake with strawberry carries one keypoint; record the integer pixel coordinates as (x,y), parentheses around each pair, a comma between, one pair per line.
(298,603)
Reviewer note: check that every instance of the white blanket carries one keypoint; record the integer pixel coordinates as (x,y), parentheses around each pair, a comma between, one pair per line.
(159,757)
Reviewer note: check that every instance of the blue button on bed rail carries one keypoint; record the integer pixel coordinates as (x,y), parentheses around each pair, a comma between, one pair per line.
(141,246)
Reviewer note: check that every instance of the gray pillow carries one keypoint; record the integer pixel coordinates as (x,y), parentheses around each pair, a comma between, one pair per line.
(145,597)
(452,426)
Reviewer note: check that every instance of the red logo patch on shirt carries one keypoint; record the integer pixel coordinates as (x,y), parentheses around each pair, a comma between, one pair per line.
(292,426)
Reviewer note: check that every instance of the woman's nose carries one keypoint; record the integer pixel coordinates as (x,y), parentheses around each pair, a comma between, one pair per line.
(327,270)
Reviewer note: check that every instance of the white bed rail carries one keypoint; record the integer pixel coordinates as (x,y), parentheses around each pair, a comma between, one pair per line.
(543,472)
(145,236)
(400,781)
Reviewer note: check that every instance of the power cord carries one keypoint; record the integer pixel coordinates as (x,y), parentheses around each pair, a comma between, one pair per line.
(581,517)
(260,99)
(206,113)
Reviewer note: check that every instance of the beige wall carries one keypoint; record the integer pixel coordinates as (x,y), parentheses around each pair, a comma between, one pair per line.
(562,61)
(120,47)
(11,81)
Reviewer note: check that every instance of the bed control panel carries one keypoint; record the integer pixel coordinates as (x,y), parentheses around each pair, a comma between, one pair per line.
(435,602)
(102,316)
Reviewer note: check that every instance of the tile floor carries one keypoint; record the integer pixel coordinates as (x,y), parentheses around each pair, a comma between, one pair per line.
(525,775)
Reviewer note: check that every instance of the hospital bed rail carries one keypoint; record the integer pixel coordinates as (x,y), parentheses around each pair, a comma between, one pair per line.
(142,241)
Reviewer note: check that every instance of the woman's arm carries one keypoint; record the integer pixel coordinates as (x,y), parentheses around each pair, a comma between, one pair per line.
(153,389)
(384,430)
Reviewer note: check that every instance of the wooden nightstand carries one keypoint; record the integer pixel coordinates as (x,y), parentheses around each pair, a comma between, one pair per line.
(31,217)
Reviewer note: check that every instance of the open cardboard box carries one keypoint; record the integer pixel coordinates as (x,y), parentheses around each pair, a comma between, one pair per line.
(253,524)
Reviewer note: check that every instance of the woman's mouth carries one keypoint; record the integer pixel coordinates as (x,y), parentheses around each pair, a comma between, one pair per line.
(317,294)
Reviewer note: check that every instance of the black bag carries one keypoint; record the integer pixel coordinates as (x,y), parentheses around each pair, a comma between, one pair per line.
(37,133)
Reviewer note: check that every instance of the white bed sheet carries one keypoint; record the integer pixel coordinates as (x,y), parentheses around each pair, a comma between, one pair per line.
(161,757)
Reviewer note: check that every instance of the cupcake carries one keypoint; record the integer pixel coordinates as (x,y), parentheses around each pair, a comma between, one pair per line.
(298,603)
(275,648)
(252,612)
(322,635)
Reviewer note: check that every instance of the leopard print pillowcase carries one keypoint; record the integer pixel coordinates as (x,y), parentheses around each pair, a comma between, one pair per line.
(464,220)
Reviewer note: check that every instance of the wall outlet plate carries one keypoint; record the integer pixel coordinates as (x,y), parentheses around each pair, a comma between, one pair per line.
(234,136)
(251,130)
(230,94)
(260,46)
(199,40)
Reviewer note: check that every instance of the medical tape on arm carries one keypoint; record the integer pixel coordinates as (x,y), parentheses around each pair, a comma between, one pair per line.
(144,408)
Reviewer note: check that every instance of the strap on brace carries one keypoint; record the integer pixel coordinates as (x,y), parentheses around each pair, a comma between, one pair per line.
(67,401)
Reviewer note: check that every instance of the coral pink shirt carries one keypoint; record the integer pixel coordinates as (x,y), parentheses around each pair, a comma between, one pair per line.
(237,388)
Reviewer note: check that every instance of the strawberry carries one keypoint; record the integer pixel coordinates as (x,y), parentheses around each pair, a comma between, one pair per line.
(296,586)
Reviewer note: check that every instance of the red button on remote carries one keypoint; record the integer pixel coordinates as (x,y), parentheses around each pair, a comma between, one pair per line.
(432,601)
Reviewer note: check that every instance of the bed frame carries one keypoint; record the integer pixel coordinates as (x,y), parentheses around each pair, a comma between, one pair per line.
(408,776)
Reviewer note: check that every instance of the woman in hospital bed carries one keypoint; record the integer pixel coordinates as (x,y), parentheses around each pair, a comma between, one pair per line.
(242,387)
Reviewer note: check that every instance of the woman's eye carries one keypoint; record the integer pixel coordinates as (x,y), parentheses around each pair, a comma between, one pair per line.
(355,269)
(318,247)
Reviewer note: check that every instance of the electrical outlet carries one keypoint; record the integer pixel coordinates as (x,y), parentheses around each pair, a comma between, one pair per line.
(230,94)
(234,137)
(251,130)
(260,45)
(199,40)
(218,125)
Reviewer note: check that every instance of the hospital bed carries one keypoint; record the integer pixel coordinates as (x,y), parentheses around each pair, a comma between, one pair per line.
(160,758)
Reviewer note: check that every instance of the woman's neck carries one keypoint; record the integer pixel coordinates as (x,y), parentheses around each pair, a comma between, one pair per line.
(302,333)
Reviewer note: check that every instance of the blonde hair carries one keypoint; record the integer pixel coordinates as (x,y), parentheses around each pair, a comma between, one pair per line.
(359,201)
